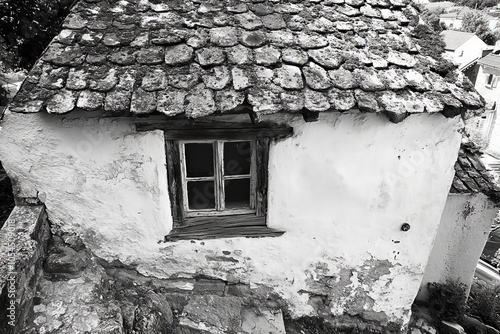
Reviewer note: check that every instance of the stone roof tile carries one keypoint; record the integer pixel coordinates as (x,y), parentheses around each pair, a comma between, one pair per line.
(281,38)
(471,175)
(340,99)
(253,39)
(316,76)
(289,77)
(224,36)
(228,99)
(267,55)
(292,101)
(327,57)
(316,101)
(118,100)
(294,56)
(217,77)
(199,102)
(77,79)
(276,55)
(52,77)
(171,102)
(62,102)
(178,54)
(265,100)
(90,100)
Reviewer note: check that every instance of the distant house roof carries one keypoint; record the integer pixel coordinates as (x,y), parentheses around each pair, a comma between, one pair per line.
(491,60)
(471,176)
(196,58)
(454,39)
(439,5)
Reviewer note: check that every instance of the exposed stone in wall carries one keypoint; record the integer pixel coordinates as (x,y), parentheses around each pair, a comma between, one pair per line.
(344,299)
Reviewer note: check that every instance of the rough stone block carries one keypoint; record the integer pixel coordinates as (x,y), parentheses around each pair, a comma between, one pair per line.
(65,261)
(213,311)
(263,322)
(209,286)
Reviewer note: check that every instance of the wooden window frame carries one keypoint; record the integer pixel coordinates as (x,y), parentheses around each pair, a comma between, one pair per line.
(240,224)
(219,178)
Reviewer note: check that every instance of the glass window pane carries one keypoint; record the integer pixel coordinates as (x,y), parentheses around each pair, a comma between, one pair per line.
(201,195)
(237,158)
(237,193)
(199,159)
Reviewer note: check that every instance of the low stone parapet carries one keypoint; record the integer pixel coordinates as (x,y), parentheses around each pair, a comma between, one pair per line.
(23,244)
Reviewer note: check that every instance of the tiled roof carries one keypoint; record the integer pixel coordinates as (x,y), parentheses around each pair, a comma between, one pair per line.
(202,57)
(491,60)
(471,176)
(454,39)
(438,5)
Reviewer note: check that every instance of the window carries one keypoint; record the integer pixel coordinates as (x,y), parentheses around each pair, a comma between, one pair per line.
(491,81)
(217,175)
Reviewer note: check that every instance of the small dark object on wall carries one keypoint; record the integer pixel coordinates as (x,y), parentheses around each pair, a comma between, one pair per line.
(405,227)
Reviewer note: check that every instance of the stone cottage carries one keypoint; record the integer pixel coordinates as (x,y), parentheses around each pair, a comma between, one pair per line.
(303,150)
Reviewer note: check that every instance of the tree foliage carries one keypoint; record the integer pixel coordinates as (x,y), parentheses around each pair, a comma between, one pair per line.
(27,26)
(477,4)
(476,23)
(431,17)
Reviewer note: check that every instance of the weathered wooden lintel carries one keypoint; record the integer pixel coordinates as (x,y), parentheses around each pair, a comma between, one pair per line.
(235,126)
(233,133)
(212,121)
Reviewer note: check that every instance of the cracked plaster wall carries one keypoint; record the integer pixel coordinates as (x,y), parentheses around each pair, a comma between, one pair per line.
(341,188)
(462,234)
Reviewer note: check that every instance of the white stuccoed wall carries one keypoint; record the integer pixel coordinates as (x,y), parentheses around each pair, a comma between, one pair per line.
(462,234)
(341,188)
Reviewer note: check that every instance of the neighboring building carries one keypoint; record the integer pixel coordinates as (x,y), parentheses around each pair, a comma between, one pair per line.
(464,47)
(470,210)
(454,16)
(487,78)
(298,154)
(488,75)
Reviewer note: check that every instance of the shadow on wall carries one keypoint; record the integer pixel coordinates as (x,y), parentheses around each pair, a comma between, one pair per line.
(6,196)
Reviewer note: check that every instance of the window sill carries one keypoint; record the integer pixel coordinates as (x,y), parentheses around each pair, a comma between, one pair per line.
(215,227)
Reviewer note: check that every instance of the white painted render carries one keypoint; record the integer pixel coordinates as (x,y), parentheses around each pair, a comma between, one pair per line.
(341,188)
(462,234)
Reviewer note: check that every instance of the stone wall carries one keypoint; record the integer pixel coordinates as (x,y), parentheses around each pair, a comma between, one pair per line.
(23,242)
(81,293)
